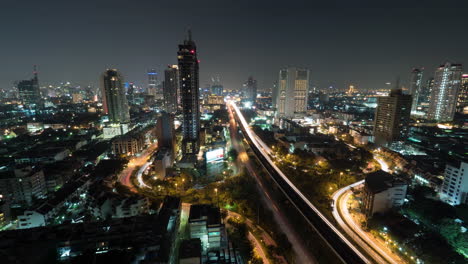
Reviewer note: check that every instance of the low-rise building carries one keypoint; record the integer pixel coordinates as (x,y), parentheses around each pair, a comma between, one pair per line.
(455,186)
(382,191)
(23,184)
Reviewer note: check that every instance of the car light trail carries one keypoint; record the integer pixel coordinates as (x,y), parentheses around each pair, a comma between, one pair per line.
(345,252)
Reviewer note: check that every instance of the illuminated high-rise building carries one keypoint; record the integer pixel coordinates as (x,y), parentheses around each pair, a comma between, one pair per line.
(189,91)
(444,95)
(153,82)
(415,87)
(462,102)
(293,87)
(392,117)
(115,102)
(170,89)
(250,90)
(28,90)
(351,90)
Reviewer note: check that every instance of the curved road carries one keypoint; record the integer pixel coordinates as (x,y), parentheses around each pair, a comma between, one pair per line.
(342,216)
(134,163)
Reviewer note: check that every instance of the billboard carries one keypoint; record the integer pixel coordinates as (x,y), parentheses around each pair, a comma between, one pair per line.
(215,154)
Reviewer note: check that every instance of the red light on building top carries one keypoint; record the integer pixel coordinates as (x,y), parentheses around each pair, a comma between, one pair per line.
(192,51)
(198,61)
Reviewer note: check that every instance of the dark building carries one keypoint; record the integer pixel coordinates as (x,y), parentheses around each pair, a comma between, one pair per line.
(382,191)
(250,89)
(425,94)
(165,132)
(392,117)
(190,251)
(189,89)
(114,100)
(29,92)
(415,86)
(170,89)
(130,92)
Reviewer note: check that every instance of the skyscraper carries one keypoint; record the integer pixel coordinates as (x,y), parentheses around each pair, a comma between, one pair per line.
(293,87)
(170,89)
(415,87)
(153,82)
(392,117)
(250,89)
(114,100)
(462,102)
(425,94)
(28,90)
(444,95)
(189,89)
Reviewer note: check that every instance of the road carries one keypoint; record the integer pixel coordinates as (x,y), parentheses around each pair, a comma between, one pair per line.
(136,162)
(338,243)
(341,213)
(383,164)
(302,253)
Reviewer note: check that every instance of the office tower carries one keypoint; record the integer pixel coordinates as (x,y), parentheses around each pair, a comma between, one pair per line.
(455,186)
(444,95)
(250,89)
(189,89)
(462,102)
(165,132)
(415,87)
(28,90)
(115,103)
(392,117)
(291,97)
(170,87)
(153,82)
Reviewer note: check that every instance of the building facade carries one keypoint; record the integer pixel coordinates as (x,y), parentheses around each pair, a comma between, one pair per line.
(444,95)
(462,102)
(382,191)
(189,89)
(170,89)
(454,189)
(28,90)
(293,87)
(22,185)
(392,117)
(115,102)
(153,83)
(250,90)
(415,87)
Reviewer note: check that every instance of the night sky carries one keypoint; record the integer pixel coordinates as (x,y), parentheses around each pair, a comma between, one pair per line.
(343,42)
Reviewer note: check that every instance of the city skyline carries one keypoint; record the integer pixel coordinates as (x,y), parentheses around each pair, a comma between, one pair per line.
(338,46)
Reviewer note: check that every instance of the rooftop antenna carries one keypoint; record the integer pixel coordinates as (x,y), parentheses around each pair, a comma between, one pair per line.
(189,32)
(35,71)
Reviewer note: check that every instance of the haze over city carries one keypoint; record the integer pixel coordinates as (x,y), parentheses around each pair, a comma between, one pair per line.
(341,42)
